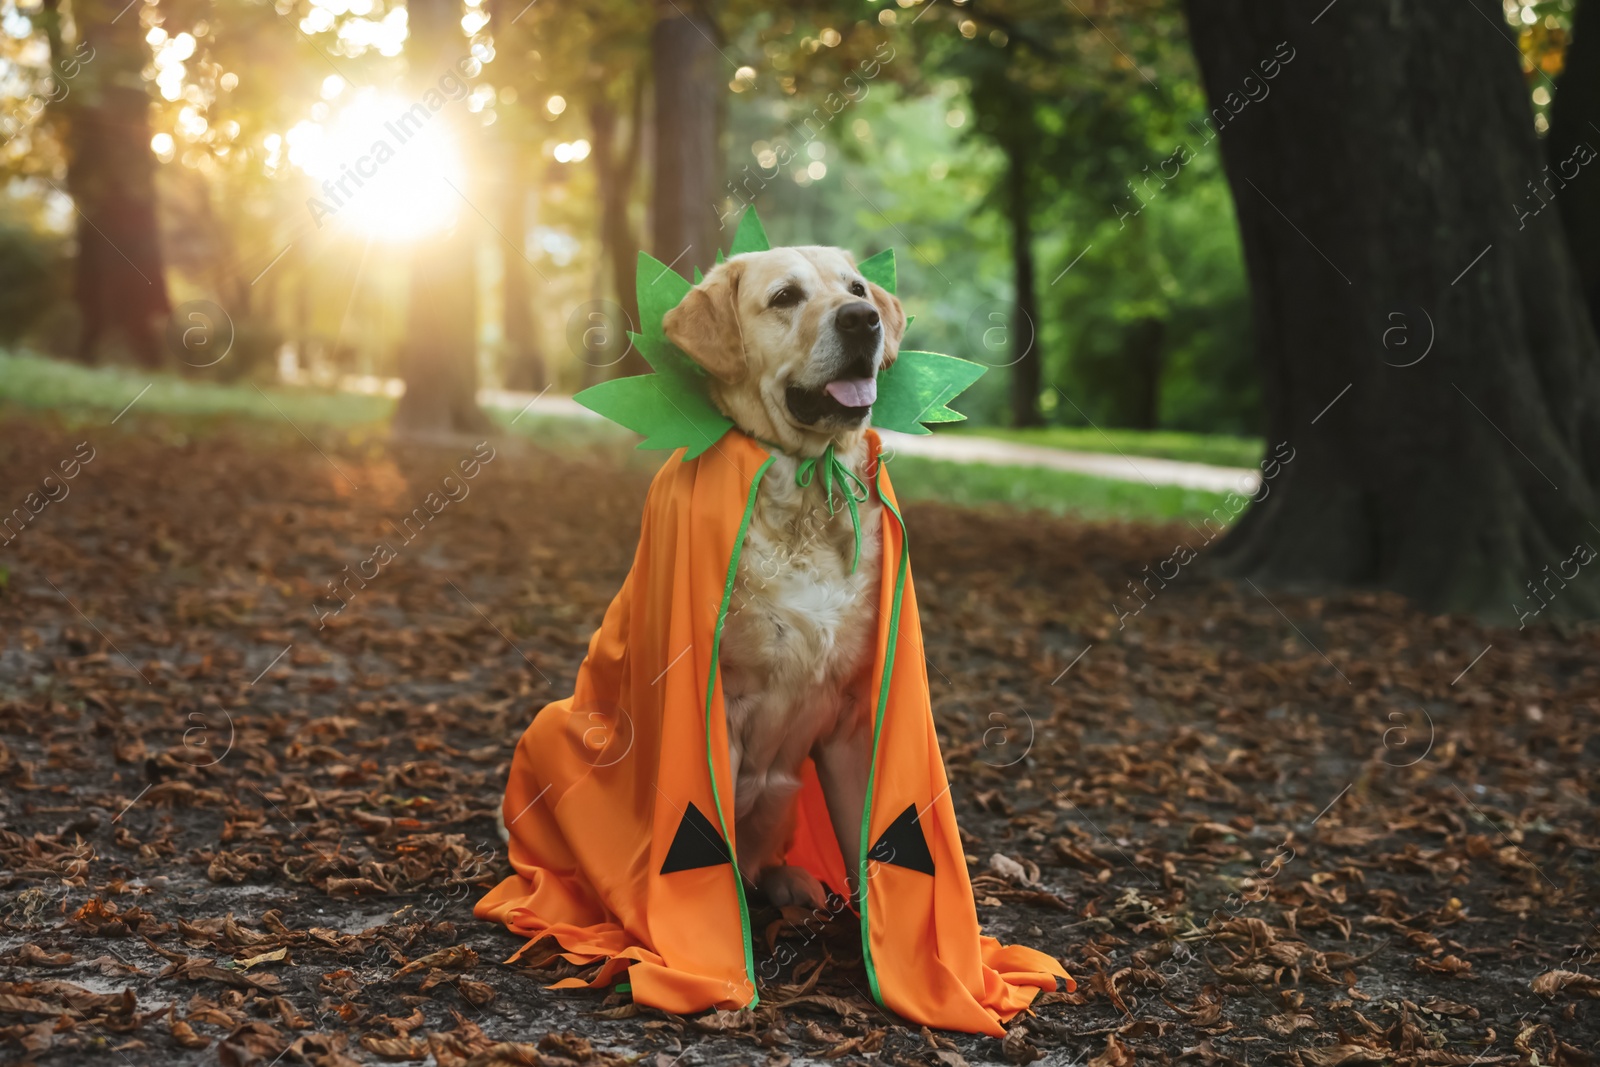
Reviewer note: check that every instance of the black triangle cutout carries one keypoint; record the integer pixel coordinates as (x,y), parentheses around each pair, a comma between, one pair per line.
(903,844)
(696,844)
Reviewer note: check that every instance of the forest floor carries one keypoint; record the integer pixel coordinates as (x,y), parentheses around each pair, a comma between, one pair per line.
(1301,831)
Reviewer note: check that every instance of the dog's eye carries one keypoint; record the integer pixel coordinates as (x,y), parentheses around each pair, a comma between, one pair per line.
(787,297)
(858,289)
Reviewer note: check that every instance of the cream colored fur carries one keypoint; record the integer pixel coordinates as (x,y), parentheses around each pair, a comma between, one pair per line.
(798,643)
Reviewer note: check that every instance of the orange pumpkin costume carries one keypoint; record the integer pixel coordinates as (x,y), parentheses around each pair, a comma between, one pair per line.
(620,805)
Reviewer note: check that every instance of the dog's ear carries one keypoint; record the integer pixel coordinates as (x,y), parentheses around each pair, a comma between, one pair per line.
(893,317)
(706,323)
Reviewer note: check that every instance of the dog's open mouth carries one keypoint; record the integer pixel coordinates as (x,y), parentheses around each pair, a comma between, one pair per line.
(845,400)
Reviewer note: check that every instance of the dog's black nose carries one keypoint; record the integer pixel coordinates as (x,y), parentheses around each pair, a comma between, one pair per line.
(857,319)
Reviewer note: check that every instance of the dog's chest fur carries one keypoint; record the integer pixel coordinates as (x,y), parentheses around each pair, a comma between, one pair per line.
(800,629)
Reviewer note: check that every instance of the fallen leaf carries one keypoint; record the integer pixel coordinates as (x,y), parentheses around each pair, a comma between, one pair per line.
(1017,1048)
(274,956)
(454,958)
(1574,983)
(1342,1056)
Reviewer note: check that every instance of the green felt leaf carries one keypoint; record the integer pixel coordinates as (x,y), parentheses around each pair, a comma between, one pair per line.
(880,269)
(916,389)
(660,289)
(750,236)
(670,408)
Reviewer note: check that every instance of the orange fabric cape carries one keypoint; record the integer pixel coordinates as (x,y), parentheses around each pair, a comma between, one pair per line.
(620,806)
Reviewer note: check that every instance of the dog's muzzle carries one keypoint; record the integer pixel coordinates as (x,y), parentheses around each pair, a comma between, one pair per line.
(849,397)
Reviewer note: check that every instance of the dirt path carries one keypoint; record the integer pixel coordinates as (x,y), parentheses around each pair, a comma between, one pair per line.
(242,827)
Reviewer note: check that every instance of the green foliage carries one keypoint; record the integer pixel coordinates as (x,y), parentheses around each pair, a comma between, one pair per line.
(1174,269)
(918,158)
(867,126)
(32,275)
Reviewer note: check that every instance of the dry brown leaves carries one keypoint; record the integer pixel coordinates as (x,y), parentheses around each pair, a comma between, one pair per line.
(1242,853)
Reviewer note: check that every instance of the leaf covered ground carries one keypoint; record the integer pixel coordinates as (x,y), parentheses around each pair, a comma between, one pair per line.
(243,822)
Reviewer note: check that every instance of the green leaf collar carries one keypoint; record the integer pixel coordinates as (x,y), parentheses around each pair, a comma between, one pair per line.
(672,408)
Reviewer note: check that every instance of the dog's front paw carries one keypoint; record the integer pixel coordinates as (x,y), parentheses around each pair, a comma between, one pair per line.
(785,886)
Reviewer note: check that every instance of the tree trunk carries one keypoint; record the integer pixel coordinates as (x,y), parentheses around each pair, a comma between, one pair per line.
(1025,371)
(1430,371)
(438,358)
(688,74)
(111,176)
(1144,350)
(524,361)
(1575,121)
(614,178)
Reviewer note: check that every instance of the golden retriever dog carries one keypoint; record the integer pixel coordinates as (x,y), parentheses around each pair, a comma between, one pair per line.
(793,340)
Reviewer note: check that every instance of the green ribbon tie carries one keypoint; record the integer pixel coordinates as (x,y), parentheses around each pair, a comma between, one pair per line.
(852,488)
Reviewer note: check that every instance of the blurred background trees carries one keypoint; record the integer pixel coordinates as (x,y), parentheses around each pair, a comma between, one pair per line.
(220,150)
(452,194)
(1049,171)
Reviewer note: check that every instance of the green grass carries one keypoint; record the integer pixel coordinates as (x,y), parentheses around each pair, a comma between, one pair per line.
(1058,492)
(77,392)
(1219,449)
(36,382)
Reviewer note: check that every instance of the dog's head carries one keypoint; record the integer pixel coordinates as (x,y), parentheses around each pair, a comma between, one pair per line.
(794,339)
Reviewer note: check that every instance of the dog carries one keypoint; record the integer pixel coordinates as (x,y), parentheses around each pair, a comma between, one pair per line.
(793,340)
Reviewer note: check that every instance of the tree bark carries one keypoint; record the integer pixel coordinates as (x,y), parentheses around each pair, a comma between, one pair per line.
(1025,371)
(1575,121)
(438,358)
(1144,349)
(688,74)
(524,360)
(119,285)
(614,179)
(1376,174)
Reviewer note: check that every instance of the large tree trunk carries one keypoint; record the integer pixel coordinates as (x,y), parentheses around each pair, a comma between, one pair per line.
(1025,371)
(1375,188)
(688,73)
(438,358)
(524,361)
(119,286)
(1575,121)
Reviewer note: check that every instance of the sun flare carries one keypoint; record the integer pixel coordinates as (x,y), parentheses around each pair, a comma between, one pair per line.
(386,166)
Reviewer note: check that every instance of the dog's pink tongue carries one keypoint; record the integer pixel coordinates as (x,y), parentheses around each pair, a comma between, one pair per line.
(854,392)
